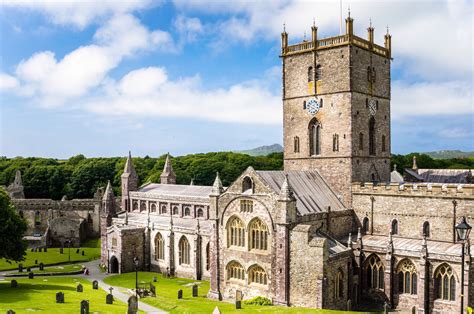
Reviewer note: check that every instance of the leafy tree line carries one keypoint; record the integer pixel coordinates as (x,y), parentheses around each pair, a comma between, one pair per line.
(79,177)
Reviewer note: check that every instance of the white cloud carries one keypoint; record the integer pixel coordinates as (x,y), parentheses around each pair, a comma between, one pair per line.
(189,28)
(78,13)
(8,82)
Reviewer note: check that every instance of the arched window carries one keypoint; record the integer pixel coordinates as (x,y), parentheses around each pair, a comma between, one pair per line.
(372,136)
(257,275)
(175,210)
(163,209)
(361,141)
(445,283)
(235,232)
(319,73)
(383,143)
(339,285)
(296,144)
(89,218)
(208,259)
(143,206)
(314,137)
(247,185)
(184,251)
(407,277)
(394,228)
(135,206)
(365,225)
(310,74)
(200,212)
(153,208)
(426,229)
(37,218)
(375,273)
(235,271)
(187,211)
(159,247)
(258,235)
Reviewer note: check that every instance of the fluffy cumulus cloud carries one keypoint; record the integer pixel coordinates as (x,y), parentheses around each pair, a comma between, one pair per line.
(8,82)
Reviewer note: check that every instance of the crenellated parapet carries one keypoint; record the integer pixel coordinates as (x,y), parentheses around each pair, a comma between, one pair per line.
(421,189)
(64,205)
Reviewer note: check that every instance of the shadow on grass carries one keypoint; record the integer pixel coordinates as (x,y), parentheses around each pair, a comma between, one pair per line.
(22,292)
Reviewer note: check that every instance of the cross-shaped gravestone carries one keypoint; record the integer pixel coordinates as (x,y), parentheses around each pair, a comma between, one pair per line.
(84,307)
(79,288)
(13,283)
(59,297)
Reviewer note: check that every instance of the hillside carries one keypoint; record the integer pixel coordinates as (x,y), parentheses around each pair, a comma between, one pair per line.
(449,154)
(263,150)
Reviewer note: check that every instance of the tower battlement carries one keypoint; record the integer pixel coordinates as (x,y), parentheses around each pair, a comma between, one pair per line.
(427,189)
(336,41)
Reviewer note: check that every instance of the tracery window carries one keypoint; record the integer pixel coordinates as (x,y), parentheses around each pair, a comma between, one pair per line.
(235,271)
(235,232)
(184,251)
(257,275)
(314,137)
(407,277)
(426,229)
(296,144)
(394,228)
(445,283)
(375,273)
(372,136)
(339,285)
(159,247)
(246,206)
(258,235)
(247,185)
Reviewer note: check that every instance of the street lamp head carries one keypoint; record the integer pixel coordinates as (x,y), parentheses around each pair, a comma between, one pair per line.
(463,229)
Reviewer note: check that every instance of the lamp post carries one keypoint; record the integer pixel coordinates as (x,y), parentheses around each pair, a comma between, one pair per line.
(463,229)
(69,249)
(135,261)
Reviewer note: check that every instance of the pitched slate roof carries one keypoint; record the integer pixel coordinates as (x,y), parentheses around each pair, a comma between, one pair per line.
(312,193)
(176,190)
(442,175)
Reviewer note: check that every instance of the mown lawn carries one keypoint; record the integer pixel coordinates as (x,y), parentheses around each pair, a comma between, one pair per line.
(55,269)
(39,296)
(91,250)
(167,292)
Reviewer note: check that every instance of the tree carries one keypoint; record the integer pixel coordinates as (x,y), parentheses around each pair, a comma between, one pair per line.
(12,230)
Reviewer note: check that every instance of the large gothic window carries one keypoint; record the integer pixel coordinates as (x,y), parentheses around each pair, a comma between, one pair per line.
(258,235)
(235,232)
(159,247)
(257,275)
(407,277)
(372,136)
(235,271)
(314,137)
(426,229)
(445,283)
(184,251)
(375,273)
(339,285)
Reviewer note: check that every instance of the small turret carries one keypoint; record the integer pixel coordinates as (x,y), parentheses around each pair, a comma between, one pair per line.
(370,33)
(106,214)
(414,166)
(129,182)
(287,203)
(388,42)
(314,33)
(284,40)
(108,200)
(286,192)
(168,176)
(349,24)
(217,187)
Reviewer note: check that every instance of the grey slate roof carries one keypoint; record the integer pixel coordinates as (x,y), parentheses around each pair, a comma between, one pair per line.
(177,190)
(312,193)
(442,175)
(396,177)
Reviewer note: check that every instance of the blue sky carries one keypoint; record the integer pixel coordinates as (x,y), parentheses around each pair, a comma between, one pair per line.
(193,76)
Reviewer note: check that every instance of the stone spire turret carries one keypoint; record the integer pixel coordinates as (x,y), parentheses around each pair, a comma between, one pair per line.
(168,176)
(414,166)
(129,182)
(217,187)
(286,192)
(107,213)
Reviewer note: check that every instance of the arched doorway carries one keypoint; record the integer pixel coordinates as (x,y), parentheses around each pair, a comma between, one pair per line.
(114,265)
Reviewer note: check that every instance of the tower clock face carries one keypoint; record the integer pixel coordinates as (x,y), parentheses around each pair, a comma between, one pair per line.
(372,107)
(313,106)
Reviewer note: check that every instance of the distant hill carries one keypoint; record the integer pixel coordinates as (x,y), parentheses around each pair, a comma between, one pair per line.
(263,150)
(449,154)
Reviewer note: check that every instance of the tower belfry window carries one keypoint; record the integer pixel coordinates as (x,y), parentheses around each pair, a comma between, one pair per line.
(318,72)
(310,74)
(372,136)
(314,137)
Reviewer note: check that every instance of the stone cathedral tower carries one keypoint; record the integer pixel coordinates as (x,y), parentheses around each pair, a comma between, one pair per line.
(336,108)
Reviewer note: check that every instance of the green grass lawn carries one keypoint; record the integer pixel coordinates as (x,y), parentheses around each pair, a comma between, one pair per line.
(91,250)
(167,292)
(39,296)
(55,269)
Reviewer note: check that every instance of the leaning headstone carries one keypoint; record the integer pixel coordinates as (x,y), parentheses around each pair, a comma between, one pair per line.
(155,279)
(60,250)
(31,275)
(20,268)
(109,299)
(13,283)
(84,307)
(180,294)
(77,251)
(238,305)
(82,253)
(132,305)
(59,297)
(95,285)
(41,266)
(216,310)
(79,288)
(195,291)
(10,312)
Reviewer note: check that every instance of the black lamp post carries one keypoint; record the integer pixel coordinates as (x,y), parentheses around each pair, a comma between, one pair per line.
(135,261)
(463,229)
(69,249)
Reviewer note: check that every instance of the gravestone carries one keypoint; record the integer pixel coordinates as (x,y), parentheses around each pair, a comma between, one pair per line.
(109,299)
(36,262)
(238,295)
(10,312)
(60,250)
(13,283)
(82,253)
(28,269)
(59,297)
(32,250)
(155,279)
(31,275)
(238,305)
(152,290)
(77,251)
(180,294)
(39,249)
(45,249)
(195,291)
(95,285)
(84,307)
(41,266)
(20,268)
(79,288)
(132,305)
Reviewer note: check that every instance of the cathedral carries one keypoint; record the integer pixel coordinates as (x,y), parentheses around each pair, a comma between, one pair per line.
(336,229)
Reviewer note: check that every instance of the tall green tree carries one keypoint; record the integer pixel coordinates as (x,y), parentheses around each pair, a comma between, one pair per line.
(12,230)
